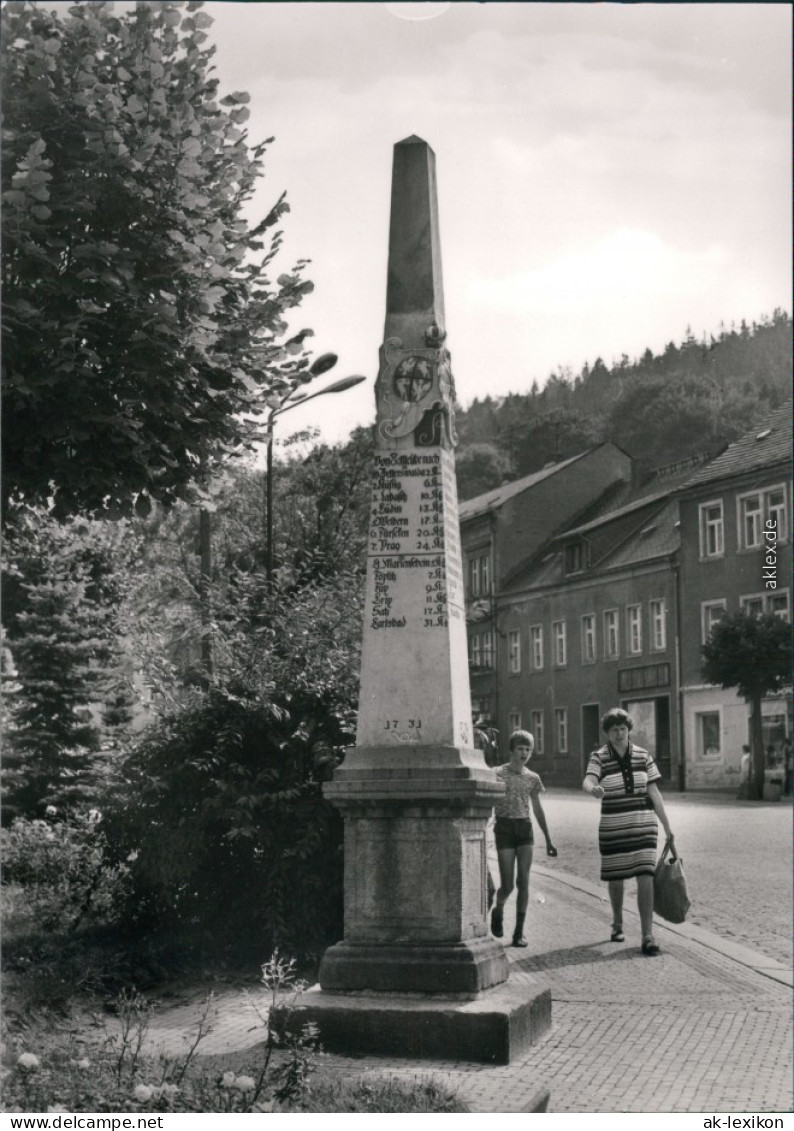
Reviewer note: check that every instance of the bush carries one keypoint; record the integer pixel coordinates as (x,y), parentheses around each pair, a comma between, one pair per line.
(64,871)
(226,829)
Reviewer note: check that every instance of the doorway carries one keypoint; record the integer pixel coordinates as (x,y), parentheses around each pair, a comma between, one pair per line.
(591,732)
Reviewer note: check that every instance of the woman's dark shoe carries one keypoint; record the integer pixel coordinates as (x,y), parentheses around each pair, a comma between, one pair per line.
(617,934)
(650,948)
(519,940)
(497,922)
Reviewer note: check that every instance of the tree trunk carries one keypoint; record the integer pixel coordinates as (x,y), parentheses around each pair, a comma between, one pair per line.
(756,785)
(205,591)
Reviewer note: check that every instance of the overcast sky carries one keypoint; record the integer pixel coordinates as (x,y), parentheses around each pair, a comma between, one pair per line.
(608,173)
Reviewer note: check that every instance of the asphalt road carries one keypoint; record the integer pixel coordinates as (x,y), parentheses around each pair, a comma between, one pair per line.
(737,858)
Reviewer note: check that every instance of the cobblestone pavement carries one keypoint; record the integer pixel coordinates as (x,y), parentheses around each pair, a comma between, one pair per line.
(698,1028)
(737,857)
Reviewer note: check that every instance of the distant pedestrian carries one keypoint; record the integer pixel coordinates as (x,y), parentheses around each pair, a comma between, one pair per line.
(486,738)
(744,774)
(624,777)
(788,763)
(514,835)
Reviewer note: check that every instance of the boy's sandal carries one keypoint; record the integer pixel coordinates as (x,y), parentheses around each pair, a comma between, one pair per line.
(650,948)
(617,934)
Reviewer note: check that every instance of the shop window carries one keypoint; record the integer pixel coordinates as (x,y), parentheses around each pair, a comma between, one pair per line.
(708,734)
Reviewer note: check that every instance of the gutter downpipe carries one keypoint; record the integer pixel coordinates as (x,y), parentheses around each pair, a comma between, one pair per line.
(679,691)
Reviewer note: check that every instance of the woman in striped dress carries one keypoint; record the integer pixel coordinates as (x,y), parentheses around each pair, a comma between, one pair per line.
(624,777)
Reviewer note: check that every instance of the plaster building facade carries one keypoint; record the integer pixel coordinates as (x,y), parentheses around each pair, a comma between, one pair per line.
(726,509)
(591,624)
(505,527)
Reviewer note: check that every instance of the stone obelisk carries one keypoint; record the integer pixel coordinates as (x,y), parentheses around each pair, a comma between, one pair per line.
(414,792)
(417,971)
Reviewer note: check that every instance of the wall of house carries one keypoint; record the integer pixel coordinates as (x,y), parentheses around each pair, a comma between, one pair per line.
(585,689)
(737,573)
(528,520)
(718,766)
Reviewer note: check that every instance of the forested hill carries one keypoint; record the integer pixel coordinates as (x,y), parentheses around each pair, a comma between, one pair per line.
(695,397)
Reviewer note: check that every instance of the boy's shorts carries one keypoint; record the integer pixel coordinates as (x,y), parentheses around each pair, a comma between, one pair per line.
(513,832)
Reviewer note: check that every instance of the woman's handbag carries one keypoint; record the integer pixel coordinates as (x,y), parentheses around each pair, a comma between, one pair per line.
(670,899)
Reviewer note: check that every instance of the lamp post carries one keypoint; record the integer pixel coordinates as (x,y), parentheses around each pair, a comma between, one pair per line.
(321,365)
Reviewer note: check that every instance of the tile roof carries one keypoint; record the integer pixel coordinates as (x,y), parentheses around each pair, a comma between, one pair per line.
(611,515)
(492,500)
(767,443)
(658,536)
(653,537)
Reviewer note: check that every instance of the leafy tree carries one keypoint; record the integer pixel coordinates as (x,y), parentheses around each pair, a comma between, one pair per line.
(481,467)
(63,586)
(666,407)
(141,333)
(752,654)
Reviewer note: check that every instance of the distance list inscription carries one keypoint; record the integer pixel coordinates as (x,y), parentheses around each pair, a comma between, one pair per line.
(414,542)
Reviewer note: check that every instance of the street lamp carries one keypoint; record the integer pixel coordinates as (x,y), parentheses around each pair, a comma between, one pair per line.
(323,363)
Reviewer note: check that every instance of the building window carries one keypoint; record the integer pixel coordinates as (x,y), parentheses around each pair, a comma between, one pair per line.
(708,730)
(482,708)
(536,722)
(487,649)
(659,625)
(574,558)
(536,646)
(588,638)
(480,576)
(611,638)
(775,508)
(757,603)
(561,726)
(514,650)
(751,513)
(634,629)
(752,605)
(754,510)
(514,720)
(476,651)
(712,531)
(777,603)
(710,613)
(560,644)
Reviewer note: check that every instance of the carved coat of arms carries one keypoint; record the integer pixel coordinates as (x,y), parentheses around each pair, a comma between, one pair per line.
(415,392)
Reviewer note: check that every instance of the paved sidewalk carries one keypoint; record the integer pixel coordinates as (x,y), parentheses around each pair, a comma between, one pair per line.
(705,1026)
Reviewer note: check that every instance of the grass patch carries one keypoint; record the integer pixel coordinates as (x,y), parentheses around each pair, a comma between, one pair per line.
(383,1094)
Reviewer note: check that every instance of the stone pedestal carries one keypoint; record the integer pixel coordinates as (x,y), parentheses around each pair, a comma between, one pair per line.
(415,882)
(493,1027)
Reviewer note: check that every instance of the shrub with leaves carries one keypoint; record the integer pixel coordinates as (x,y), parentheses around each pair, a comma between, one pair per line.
(63,868)
(222,802)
